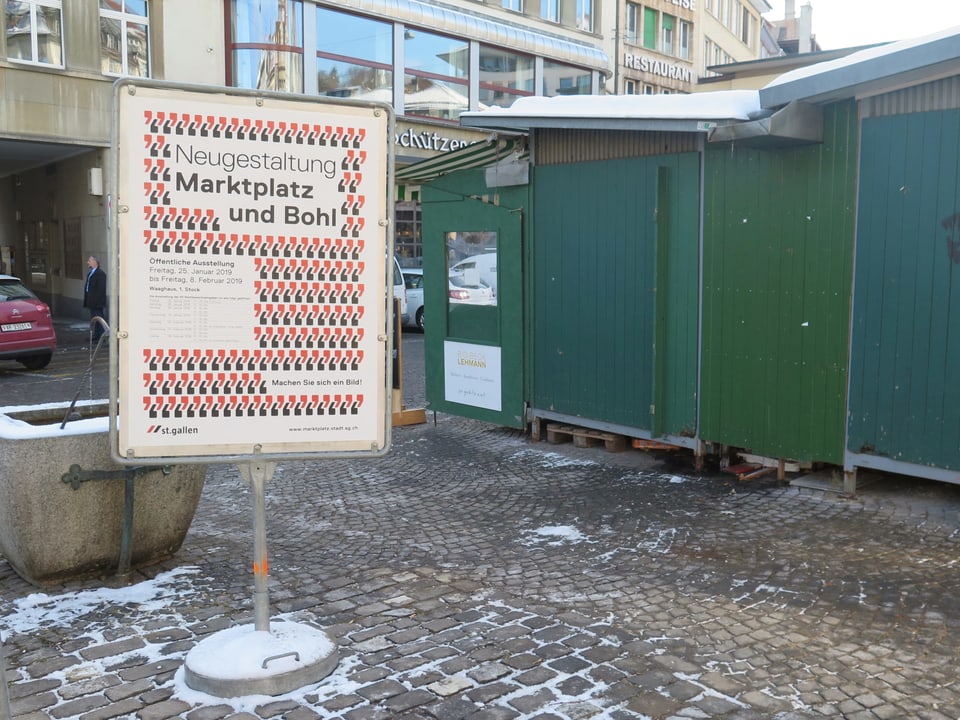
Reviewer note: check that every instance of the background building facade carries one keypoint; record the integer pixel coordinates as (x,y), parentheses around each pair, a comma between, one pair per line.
(431,61)
(667,46)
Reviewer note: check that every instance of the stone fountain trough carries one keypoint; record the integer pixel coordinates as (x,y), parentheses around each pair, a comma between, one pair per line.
(68,511)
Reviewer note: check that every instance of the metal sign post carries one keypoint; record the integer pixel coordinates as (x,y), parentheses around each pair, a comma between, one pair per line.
(257,475)
(253,287)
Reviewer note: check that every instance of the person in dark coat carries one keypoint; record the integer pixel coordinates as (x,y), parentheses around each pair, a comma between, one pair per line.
(95,294)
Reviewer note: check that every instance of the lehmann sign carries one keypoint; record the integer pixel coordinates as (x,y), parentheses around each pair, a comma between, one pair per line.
(250,276)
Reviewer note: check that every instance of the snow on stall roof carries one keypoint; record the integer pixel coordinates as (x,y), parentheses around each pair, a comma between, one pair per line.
(724,104)
(861,56)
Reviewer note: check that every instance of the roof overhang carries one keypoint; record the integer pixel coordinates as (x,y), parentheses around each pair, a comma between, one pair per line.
(869,72)
(698,112)
(796,124)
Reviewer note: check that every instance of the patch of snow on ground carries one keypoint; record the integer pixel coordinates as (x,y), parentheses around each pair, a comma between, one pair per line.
(555,535)
(550,459)
(39,610)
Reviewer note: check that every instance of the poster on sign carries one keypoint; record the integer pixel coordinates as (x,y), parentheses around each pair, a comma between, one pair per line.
(251,274)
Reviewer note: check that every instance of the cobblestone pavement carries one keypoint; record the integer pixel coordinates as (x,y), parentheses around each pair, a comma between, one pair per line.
(473,573)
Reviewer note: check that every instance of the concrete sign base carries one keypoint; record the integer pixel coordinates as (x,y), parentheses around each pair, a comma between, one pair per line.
(245,661)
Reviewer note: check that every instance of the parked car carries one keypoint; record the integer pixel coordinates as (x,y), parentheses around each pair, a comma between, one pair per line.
(463,291)
(400,292)
(413,279)
(484,265)
(26,326)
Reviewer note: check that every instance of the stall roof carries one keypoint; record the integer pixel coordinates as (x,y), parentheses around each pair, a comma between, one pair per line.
(677,113)
(869,71)
(481,154)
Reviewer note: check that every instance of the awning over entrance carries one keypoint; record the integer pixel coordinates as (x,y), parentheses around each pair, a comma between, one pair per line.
(481,154)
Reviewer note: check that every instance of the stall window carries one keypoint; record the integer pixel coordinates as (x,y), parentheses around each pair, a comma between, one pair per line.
(35,31)
(436,75)
(504,76)
(471,268)
(354,56)
(124,38)
(266,44)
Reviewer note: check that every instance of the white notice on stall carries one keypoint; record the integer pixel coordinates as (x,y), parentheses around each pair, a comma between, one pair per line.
(471,375)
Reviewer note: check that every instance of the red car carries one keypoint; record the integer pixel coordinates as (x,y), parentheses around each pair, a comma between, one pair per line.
(26,327)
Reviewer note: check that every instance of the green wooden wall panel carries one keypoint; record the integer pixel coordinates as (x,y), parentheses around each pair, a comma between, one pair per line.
(594,262)
(905,343)
(778,237)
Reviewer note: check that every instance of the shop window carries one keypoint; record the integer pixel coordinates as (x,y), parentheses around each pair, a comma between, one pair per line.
(559,79)
(354,56)
(124,38)
(408,243)
(266,45)
(35,31)
(436,75)
(504,76)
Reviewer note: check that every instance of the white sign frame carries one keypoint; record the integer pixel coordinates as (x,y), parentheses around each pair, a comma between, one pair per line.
(251,281)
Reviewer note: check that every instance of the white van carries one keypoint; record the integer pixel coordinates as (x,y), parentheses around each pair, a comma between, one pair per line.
(482,266)
(400,292)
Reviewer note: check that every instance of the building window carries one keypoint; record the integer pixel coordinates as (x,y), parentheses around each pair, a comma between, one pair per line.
(354,56)
(650,28)
(633,23)
(559,79)
(667,30)
(35,31)
(504,76)
(550,10)
(515,5)
(684,36)
(266,45)
(436,80)
(124,38)
(585,15)
(649,90)
(746,27)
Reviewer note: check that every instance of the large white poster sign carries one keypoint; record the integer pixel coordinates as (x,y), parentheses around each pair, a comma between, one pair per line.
(471,375)
(253,294)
